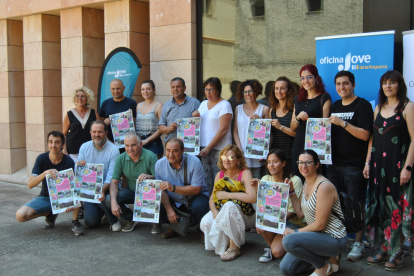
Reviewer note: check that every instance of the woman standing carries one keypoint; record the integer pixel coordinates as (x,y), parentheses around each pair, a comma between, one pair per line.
(215,132)
(148,114)
(312,102)
(388,166)
(77,121)
(282,102)
(249,90)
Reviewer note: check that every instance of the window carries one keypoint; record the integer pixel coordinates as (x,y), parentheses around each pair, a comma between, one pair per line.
(258,8)
(314,5)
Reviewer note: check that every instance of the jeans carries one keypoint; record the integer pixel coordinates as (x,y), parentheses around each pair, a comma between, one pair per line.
(155,146)
(199,207)
(349,180)
(125,196)
(210,168)
(94,212)
(307,249)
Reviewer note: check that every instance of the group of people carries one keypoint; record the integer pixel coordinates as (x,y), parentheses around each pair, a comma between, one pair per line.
(223,184)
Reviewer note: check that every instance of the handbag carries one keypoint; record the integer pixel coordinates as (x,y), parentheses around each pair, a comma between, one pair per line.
(183,218)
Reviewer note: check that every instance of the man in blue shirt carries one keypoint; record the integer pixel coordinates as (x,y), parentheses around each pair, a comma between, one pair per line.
(170,169)
(99,151)
(180,106)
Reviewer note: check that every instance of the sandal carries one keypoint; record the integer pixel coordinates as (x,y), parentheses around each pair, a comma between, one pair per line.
(230,254)
(374,260)
(395,262)
(329,271)
(336,267)
(169,234)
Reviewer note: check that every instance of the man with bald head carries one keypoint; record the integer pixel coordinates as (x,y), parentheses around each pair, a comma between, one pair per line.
(118,103)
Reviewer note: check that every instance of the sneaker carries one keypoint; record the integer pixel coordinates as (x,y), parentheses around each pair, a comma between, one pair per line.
(77,228)
(130,225)
(116,227)
(156,228)
(50,221)
(357,252)
(267,256)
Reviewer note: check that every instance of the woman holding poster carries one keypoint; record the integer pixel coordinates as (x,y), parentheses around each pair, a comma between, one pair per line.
(389,162)
(312,102)
(249,90)
(231,206)
(325,234)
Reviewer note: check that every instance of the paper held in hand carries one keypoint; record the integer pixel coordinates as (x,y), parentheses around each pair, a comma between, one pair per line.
(147,201)
(88,182)
(272,204)
(189,132)
(318,138)
(258,139)
(61,191)
(121,124)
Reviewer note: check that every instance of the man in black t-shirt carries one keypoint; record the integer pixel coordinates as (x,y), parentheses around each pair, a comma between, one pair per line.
(352,120)
(118,103)
(48,163)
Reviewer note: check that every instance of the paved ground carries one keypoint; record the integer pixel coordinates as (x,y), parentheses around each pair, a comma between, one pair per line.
(25,248)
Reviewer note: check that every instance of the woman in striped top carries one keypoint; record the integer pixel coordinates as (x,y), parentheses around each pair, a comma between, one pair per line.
(325,235)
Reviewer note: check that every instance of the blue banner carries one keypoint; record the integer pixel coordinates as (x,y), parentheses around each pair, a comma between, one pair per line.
(368,56)
(123,64)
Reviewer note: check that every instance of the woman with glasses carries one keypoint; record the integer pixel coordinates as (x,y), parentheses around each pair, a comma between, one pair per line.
(77,121)
(215,132)
(231,206)
(390,157)
(312,102)
(325,235)
(282,102)
(148,115)
(251,109)
(278,167)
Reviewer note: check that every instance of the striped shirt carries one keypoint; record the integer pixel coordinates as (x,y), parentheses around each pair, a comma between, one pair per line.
(334,226)
(146,123)
(281,140)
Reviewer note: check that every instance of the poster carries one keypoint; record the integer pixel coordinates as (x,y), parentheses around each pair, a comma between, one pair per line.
(61,191)
(189,132)
(121,124)
(147,201)
(318,138)
(88,182)
(258,139)
(272,203)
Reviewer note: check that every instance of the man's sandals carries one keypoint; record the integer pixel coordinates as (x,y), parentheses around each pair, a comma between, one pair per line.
(231,254)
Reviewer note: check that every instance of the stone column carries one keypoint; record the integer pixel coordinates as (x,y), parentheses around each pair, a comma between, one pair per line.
(12,127)
(173,45)
(83,52)
(127,25)
(42,82)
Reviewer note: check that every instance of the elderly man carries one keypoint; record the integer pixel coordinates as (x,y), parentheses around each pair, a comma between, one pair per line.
(170,169)
(118,103)
(48,163)
(99,151)
(180,106)
(135,163)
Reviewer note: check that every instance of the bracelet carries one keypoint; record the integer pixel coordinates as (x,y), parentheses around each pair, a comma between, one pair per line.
(366,163)
(297,121)
(173,189)
(292,193)
(281,129)
(146,142)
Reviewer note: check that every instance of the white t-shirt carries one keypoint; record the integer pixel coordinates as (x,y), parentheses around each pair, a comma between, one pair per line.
(210,123)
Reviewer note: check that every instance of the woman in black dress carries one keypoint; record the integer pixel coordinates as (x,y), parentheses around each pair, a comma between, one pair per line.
(312,102)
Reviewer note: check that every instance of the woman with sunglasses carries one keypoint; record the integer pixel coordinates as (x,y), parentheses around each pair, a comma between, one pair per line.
(325,234)
(249,90)
(231,206)
(278,167)
(312,102)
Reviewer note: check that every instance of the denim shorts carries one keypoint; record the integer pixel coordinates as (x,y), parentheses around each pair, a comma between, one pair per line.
(40,204)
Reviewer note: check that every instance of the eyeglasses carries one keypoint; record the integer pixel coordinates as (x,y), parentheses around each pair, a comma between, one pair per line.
(80,97)
(228,157)
(307,163)
(248,92)
(209,90)
(307,77)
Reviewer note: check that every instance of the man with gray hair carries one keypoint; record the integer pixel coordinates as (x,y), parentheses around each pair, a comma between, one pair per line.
(135,163)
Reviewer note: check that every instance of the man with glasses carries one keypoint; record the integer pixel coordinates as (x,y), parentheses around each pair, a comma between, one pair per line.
(170,169)
(180,106)
(352,120)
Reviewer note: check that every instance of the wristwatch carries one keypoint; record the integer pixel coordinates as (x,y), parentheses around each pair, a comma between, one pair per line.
(408,168)
(345,124)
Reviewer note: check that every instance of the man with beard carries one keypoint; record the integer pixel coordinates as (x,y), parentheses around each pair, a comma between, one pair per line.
(99,151)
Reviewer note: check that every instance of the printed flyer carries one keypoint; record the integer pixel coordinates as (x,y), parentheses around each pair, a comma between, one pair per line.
(318,138)
(258,138)
(61,191)
(121,124)
(88,182)
(272,203)
(189,132)
(147,201)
